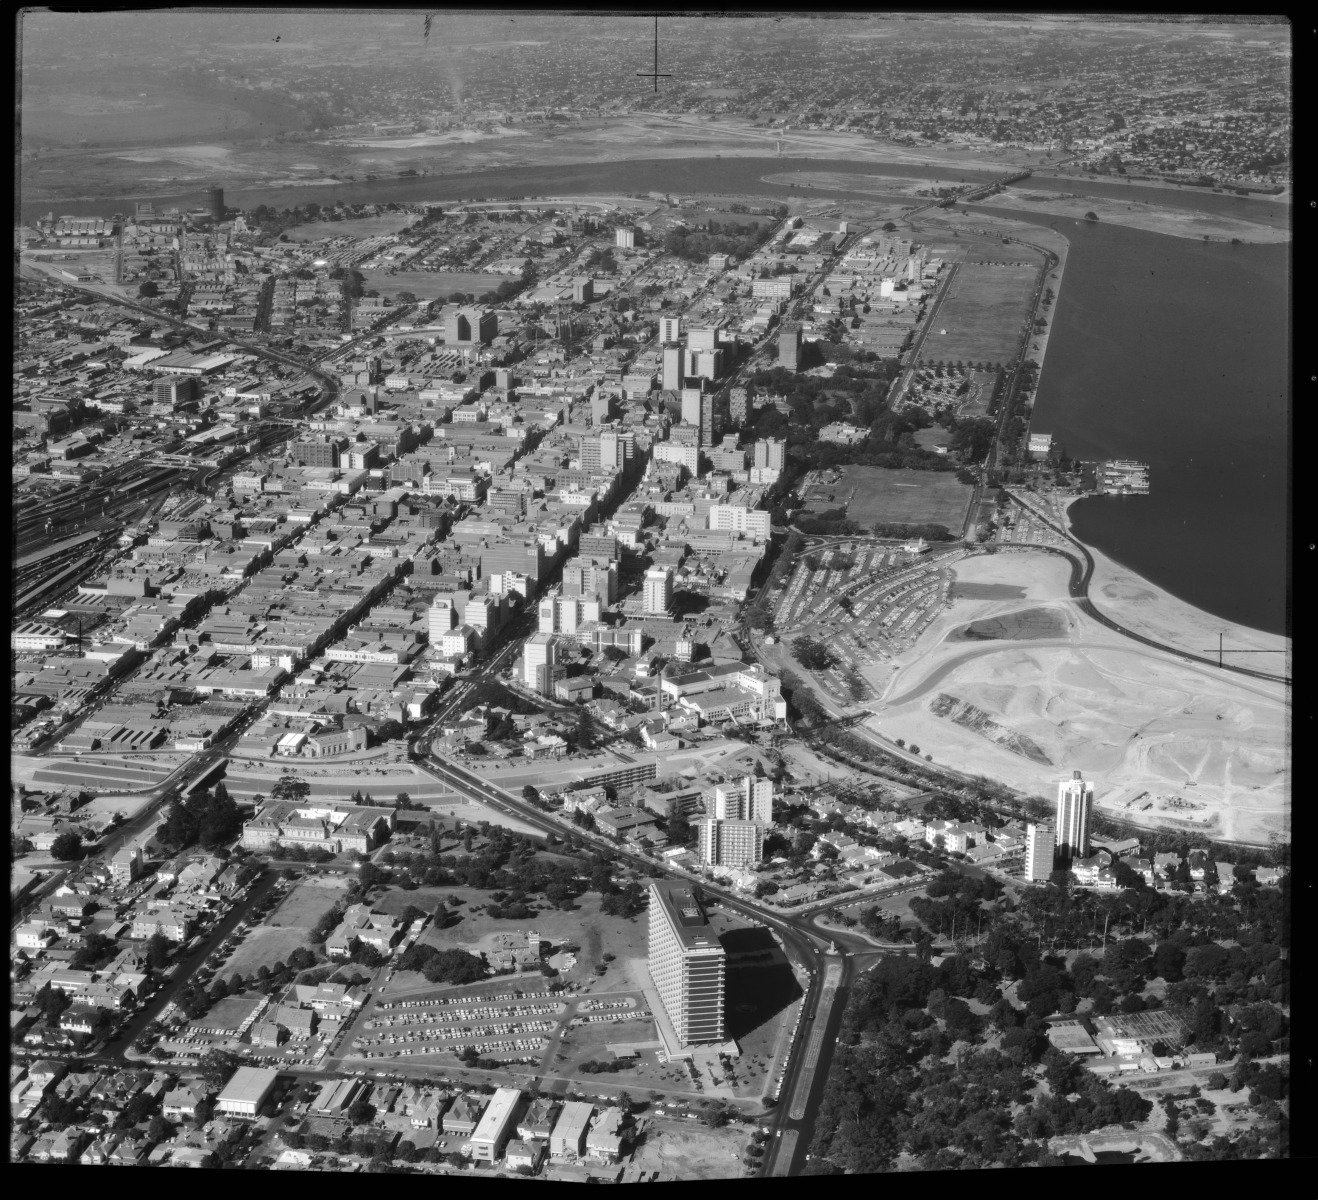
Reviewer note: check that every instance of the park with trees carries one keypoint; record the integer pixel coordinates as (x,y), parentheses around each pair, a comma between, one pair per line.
(949,1066)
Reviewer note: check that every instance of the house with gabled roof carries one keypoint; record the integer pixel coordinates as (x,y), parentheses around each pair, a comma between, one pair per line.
(463,1115)
(98,1153)
(128,1153)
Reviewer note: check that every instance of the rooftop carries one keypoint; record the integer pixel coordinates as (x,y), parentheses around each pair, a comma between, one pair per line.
(677,902)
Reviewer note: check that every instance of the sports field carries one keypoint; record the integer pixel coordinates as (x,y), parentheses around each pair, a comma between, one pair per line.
(883,495)
(983,313)
(360,227)
(432,285)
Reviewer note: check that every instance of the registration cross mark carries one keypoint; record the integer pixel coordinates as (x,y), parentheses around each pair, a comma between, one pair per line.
(655,74)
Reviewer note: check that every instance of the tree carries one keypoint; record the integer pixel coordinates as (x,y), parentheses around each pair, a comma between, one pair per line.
(290,787)
(158,1129)
(1091,216)
(361,1112)
(454,966)
(67,847)
(148,290)
(157,951)
(217,1067)
(680,831)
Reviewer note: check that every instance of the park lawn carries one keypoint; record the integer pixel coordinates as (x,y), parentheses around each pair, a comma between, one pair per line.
(888,496)
(984,314)
(432,285)
(263,947)
(283,931)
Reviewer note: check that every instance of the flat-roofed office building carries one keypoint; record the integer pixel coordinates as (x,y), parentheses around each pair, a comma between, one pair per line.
(496,1125)
(687,962)
(247,1090)
(569,1137)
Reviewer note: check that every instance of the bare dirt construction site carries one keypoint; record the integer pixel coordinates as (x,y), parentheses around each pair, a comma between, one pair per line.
(680,1149)
(1027,688)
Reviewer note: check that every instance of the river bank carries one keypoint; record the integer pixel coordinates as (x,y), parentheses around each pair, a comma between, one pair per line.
(1133,601)
(1137,214)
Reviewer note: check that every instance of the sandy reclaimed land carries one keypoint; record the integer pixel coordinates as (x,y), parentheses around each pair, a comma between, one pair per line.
(885,186)
(1139,214)
(1136,214)
(1168,743)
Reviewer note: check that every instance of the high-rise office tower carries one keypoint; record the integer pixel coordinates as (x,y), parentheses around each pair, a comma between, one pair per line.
(789,347)
(769,454)
(658,591)
(672,371)
(442,616)
(1040,847)
(705,364)
(687,963)
(698,409)
(537,652)
(1075,803)
(670,329)
(215,203)
(702,339)
(735,844)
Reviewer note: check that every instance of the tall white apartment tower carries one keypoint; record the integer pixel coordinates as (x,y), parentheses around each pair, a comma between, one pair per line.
(1040,851)
(750,799)
(1075,803)
(735,844)
(670,329)
(687,963)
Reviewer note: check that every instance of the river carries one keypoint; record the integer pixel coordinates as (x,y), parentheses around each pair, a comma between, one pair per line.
(1176,353)
(1163,349)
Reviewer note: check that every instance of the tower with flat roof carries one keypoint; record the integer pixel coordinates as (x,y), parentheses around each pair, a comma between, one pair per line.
(687,963)
(1040,844)
(1075,804)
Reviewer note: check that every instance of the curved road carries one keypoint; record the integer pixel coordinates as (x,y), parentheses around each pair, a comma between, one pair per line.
(1081,573)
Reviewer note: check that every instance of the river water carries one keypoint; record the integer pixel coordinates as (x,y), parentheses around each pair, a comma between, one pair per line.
(1163,349)
(1176,353)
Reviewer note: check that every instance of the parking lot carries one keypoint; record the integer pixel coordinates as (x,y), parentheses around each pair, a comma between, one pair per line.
(517,1025)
